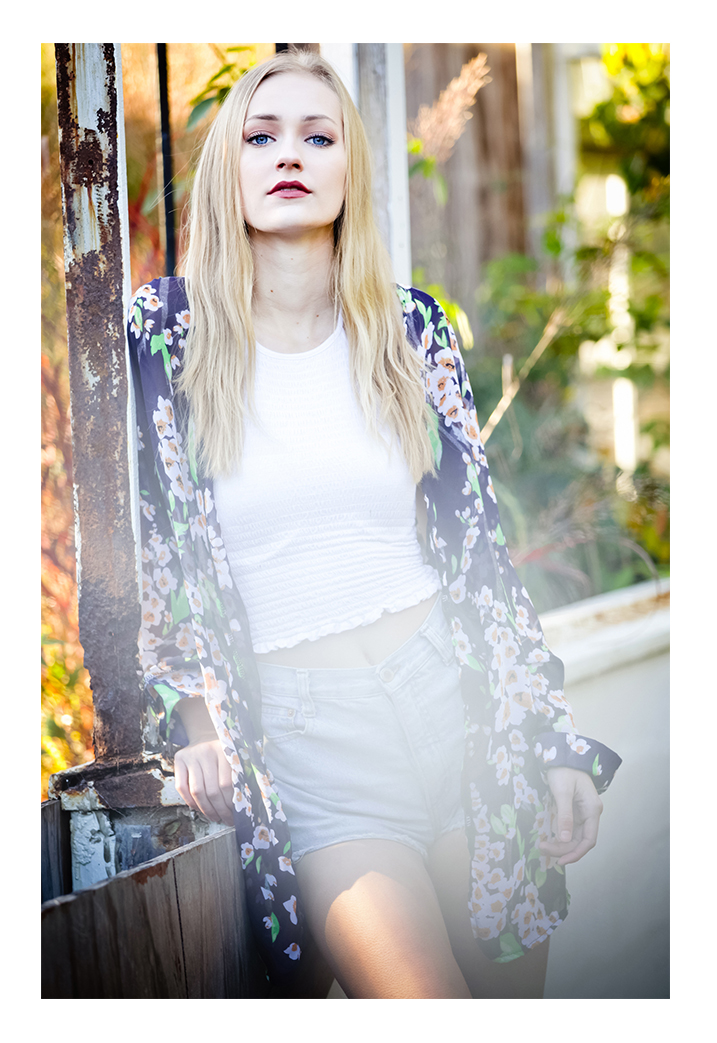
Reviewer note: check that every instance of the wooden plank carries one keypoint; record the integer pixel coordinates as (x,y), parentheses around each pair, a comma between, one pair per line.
(55,857)
(219,952)
(120,939)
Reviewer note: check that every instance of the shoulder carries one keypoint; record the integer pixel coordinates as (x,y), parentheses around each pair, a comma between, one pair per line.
(427,326)
(418,303)
(164,296)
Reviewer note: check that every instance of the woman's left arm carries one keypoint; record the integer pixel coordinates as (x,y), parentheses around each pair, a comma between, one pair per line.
(577,815)
(576,768)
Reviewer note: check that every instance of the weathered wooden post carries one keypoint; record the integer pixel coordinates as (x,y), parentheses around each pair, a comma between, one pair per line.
(374,75)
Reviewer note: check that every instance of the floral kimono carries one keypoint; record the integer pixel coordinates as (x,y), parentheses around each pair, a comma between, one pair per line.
(195,641)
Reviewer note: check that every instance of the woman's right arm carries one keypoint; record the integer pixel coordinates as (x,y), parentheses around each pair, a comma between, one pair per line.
(173,678)
(201,771)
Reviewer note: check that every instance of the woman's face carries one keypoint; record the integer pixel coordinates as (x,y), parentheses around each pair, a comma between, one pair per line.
(292,165)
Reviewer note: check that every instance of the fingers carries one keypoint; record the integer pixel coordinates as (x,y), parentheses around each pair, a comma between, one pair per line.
(577,815)
(589,812)
(204,781)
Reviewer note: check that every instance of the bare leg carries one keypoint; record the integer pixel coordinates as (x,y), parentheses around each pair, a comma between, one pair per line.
(374,913)
(524,978)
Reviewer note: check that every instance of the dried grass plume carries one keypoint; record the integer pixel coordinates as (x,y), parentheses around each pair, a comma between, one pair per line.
(439,126)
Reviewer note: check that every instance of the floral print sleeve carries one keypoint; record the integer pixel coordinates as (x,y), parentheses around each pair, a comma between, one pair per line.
(518,722)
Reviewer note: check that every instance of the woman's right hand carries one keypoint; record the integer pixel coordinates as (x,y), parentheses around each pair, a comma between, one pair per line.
(204,780)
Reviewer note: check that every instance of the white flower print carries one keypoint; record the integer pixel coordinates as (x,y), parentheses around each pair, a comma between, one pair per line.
(219,557)
(293,952)
(148,509)
(194,597)
(500,612)
(522,620)
(457,590)
(198,527)
(460,642)
(164,580)
(496,851)
(539,683)
(531,919)
(481,851)
(538,655)
(285,865)
(523,793)
(517,741)
(502,766)
(471,536)
(163,418)
(152,610)
(547,753)
(263,837)
(576,743)
(290,906)
(208,502)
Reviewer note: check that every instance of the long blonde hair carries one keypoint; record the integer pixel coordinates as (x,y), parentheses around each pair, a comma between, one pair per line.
(219,368)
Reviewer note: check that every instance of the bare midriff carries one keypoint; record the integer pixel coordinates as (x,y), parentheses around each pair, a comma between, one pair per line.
(360,646)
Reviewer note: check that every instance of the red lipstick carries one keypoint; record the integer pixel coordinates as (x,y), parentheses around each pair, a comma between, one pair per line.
(289,189)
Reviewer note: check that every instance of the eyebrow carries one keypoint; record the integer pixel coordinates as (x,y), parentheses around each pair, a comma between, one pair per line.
(304,119)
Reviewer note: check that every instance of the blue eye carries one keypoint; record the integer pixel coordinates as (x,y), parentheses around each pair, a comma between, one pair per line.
(321,139)
(254,138)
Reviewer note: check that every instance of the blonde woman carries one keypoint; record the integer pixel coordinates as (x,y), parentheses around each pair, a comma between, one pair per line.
(333,631)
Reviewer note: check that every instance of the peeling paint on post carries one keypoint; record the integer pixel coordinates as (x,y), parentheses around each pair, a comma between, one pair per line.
(97,278)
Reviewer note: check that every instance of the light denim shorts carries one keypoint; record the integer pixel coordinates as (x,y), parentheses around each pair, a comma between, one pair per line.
(374,752)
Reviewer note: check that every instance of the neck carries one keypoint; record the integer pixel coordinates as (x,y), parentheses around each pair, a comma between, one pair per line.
(292,301)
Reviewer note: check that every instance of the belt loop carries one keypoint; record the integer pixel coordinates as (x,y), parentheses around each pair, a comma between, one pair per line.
(303,684)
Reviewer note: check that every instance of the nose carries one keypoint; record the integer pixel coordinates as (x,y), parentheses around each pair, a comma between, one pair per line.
(289,158)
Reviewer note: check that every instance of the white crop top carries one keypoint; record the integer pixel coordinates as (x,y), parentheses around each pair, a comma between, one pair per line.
(319,519)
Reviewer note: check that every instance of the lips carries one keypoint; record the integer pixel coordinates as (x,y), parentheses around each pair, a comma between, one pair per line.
(289,189)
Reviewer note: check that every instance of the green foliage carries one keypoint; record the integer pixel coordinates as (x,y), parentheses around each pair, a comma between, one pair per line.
(427,166)
(571,532)
(221,82)
(634,123)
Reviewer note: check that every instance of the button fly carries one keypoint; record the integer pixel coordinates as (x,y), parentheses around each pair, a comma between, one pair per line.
(387,675)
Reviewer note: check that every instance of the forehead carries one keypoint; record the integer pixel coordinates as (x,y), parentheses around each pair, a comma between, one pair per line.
(295,95)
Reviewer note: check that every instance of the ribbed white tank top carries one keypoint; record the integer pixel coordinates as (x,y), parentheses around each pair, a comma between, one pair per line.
(319,519)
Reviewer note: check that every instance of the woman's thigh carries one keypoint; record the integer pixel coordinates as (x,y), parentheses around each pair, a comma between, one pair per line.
(374,913)
(524,978)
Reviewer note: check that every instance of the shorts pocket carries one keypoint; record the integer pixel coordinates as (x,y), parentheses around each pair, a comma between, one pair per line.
(282,719)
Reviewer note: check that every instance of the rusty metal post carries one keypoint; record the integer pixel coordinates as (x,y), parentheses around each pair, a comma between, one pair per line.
(124,806)
(97,282)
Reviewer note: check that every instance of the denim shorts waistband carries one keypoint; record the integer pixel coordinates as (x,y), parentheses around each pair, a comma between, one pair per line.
(434,627)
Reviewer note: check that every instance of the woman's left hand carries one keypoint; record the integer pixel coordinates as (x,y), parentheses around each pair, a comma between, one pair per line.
(577,815)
